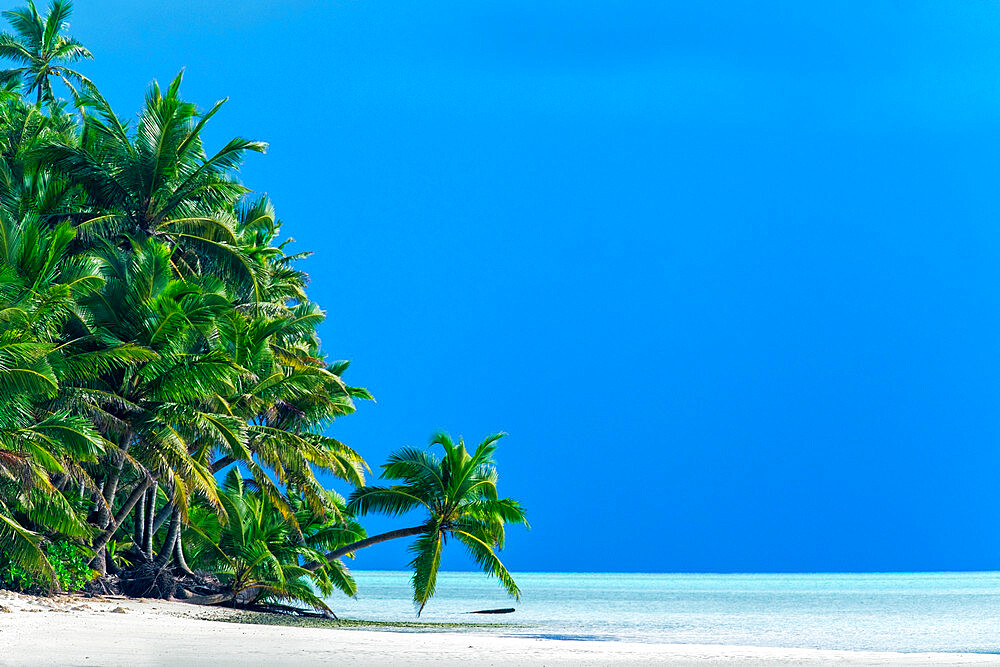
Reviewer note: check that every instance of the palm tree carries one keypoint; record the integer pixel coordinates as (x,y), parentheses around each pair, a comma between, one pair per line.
(37,447)
(257,554)
(156,409)
(156,181)
(155,331)
(41,50)
(287,400)
(26,186)
(459,494)
(208,392)
(290,394)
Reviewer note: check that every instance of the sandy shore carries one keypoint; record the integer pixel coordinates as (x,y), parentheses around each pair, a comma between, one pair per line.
(101,631)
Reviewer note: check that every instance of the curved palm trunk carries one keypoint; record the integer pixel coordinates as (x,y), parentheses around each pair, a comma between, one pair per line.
(179,555)
(218,598)
(106,536)
(170,541)
(162,516)
(369,541)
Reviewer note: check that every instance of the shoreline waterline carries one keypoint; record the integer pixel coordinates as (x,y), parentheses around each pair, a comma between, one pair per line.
(73,630)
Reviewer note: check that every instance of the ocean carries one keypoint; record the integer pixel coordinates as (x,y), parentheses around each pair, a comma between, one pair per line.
(879,612)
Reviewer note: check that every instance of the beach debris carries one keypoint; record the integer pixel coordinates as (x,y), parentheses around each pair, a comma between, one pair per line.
(4,610)
(118,610)
(506,610)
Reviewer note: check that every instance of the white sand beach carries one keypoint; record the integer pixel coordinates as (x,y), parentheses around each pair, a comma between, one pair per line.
(103,631)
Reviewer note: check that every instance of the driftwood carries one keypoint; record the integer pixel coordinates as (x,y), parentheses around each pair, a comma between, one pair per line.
(271,607)
(506,610)
(204,600)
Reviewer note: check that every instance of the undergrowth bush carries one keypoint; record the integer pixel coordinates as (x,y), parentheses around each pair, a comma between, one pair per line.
(68,561)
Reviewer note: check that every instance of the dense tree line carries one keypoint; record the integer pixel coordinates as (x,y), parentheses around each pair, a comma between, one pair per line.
(165,394)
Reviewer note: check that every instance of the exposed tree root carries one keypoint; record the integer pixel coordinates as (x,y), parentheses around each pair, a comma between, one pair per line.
(145,579)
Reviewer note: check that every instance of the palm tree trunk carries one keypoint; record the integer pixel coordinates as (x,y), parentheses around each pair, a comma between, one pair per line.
(103,514)
(369,541)
(95,511)
(111,488)
(130,502)
(139,533)
(162,516)
(147,545)
(179,554)
(99,563)
(108,492)
(222,463)
(170,541)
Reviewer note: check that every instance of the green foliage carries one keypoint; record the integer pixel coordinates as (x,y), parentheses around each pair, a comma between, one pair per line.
(116,553)
(152,327)
(155,333)
(41,49)
(259,555)
(459,494)
(69,566)
(69,562)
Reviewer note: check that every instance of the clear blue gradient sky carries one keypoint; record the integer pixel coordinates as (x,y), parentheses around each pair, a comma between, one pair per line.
(726,272)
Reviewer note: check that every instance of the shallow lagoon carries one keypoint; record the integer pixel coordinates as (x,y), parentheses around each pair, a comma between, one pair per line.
(883,612)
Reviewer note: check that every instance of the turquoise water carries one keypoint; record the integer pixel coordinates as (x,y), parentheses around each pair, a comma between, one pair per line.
(883,612)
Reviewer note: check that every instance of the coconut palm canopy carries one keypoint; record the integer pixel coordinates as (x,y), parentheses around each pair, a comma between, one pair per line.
(156,338)
(41,50)
(458,493)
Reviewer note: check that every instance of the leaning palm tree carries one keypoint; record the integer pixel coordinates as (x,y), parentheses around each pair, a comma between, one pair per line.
(41,50)
(459,494)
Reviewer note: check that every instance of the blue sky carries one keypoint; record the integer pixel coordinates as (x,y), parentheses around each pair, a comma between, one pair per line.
(726,272)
